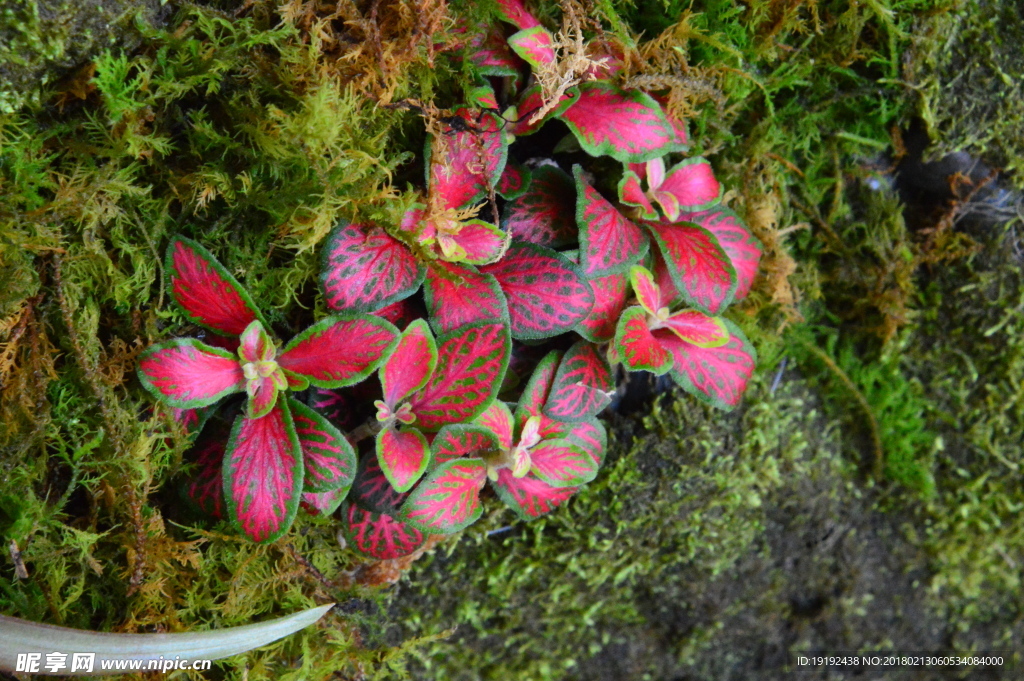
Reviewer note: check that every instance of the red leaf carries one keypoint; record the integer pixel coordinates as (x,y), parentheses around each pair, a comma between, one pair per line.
(478,243)
(466,160)
(648,294)
(547,294)
(609,243)
(364,269)
(339,351)
(205,487)
(497,420)
(255,345)
(717,376)
(400,314)
(378,535)
(205,291)
(263,474)
(530,497)
(262,397)
(410,365)
(632,194)
(403,456)
(515,179)
(669,294)
(628,126)
(699,267)
(546,213)
(698,329)
(636,347)
(529,103)
(448,500)
(323,503)
(514,12)
(535,45)
(692,184)
(589,435)
(609,300)
(329,460)
(462,440)
(470,367)
(560,463)
(535,394)
(373,491)
(186,374)
(490,54)
(581,386)
(742,248)
(458,294)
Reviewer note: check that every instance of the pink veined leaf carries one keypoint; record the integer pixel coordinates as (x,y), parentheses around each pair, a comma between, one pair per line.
(410,365)
(373,491)
(323,503)
(205,487)
(471,364)
(463,441)
(515,179)
(629,126)
(459,294)
(547,294)
(481,96)
(255,344)
(581,386)
(546,213)
(263,394)
(537,389)
(742,248)
(609,243)
(263,474)
(205,291)
(589,435)
(609,301)
(636,347)
(339,351)
(669,294)
(698,329)
(403,455)
(490,54)
(529,103)
(648,294)
(699,268)
(464,162)
(560,463)
(364,269)
(631,193)
(514,12)
(378,535)
(691,184)
(497,420)
(186,373)
(717,376)
(329,460)
(529,496)
(535,45)
(448,500)
(479,242)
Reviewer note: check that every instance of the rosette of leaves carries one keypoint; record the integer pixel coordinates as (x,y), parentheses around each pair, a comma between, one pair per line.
(277,447)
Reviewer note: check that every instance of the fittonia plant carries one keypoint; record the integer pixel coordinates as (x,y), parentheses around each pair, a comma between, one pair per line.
(611,243)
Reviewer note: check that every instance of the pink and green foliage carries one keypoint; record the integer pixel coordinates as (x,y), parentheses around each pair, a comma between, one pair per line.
(205,291)
(490,53)
(545,214)
(465,162)
(629,125)
(535,45)
(372,490)
(448,500)
(547,293)
(741,247)
(688,186)
(457,295)
(379,535)
(582,384)
(186,373)
(428,385)
(699,267)
(515,179)
(529,104)
(328,458)
(707,356)
(364,269)
(609,242)
(515,13)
